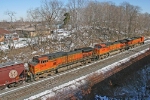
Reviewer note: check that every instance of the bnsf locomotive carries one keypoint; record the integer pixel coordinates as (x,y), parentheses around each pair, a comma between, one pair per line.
(14,73)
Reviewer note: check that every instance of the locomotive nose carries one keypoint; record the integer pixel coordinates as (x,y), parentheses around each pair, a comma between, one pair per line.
(95,50)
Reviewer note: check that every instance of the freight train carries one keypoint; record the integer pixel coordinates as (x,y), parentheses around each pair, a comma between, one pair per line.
(14,73)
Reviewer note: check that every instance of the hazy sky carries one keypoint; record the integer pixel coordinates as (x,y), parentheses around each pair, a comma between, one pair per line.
(21,6)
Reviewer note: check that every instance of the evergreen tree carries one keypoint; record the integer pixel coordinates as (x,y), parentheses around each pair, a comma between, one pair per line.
(66,19)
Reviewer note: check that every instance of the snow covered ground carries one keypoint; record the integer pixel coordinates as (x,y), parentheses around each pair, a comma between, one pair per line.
(23,42)
(75,84)
(58,34)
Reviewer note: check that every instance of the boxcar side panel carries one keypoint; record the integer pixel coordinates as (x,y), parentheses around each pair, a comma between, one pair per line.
(10,74)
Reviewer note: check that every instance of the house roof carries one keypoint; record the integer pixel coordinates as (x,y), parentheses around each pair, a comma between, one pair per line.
(25,29)
(3,31)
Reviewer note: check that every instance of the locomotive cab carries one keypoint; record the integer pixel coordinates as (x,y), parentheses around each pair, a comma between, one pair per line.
(33,63)
(98,47)
(102,50)
(37,63)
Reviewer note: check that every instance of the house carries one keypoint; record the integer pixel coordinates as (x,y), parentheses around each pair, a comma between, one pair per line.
(7,35)
(26,32)
(3,32)
(31,31)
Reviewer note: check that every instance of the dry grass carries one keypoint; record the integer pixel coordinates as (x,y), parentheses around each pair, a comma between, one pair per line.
(23,54)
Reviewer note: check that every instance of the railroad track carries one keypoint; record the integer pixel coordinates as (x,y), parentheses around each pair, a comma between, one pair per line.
(29,89)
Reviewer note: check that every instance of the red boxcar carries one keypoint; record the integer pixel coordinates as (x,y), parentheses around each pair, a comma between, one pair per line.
(12,73)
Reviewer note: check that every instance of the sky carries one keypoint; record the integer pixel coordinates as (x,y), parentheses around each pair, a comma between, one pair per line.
(20,7)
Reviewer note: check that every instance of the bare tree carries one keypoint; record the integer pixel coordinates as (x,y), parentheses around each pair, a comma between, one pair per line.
(11,14)
(46,18)
(131,13)
(145,22)
(50,11)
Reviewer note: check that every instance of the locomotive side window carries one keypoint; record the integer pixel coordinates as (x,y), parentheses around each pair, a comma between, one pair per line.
(45,61)
(54,63)
(42,61)
(97,46)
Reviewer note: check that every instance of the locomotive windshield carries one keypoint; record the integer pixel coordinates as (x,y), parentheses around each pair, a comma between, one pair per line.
(35,60)
(97,46)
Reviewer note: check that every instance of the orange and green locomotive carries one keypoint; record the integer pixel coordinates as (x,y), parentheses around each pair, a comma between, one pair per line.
(44,65)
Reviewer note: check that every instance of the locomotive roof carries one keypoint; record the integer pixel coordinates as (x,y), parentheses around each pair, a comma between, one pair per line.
(134,38)
(10,63)
(73,52)
(122,41)
(111,43)
(55,55)
(85,49)
(108,43)
(116,42)
(59,54)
